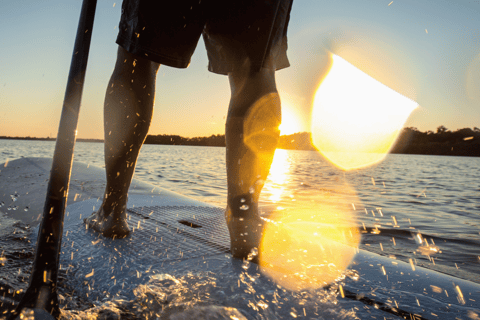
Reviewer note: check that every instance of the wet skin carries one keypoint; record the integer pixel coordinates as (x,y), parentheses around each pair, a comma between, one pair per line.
(110,225)
(251,134)
(245,228)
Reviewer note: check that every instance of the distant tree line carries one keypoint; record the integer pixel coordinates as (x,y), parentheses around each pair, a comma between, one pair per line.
(216,140)
(47,139)
(27,138)
(462,142)
(296,141)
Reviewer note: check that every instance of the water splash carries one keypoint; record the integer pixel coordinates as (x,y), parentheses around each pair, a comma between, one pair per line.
(237,294)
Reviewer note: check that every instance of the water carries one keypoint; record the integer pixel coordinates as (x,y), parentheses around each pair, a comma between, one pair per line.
(424,208)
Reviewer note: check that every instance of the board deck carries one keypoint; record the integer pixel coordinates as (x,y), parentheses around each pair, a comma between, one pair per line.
(173,234)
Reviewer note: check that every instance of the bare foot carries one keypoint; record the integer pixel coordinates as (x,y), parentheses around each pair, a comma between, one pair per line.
(109,225)
(245,227)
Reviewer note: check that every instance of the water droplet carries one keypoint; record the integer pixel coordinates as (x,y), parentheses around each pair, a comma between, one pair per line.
(244,207)
(253,253)
(418,238)
(2,204)
(26,208)
(242,200)
(251,190)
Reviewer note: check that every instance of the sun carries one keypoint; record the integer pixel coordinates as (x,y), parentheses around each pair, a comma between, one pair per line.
(290,122)
(355,118)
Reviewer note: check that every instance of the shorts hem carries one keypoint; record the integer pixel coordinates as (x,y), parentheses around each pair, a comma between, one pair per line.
(150,55)
(227,67)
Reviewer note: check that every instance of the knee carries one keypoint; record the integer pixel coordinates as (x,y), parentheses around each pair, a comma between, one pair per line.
(252,90)
(254,81)
(258,127)
(255,103)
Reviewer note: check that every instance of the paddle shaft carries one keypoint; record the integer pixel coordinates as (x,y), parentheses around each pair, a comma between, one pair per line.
(42,290)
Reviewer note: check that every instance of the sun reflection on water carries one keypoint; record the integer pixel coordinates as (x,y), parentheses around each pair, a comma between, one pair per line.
(278,176)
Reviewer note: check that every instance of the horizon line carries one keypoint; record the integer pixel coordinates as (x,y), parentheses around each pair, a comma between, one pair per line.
(177,135)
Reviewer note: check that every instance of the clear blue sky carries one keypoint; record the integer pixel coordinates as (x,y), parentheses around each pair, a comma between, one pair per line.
(428,50)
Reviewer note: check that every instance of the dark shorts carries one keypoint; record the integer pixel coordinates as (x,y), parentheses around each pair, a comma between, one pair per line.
(237,33)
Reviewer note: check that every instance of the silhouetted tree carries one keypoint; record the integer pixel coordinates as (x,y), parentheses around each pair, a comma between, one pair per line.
(442,129)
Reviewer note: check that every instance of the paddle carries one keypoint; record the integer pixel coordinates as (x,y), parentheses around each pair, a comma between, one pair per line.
(41,295)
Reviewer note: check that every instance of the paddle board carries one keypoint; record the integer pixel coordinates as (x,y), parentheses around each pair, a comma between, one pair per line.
(179,244)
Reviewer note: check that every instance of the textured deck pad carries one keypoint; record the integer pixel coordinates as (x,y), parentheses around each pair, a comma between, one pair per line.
(202,230)
(164,239)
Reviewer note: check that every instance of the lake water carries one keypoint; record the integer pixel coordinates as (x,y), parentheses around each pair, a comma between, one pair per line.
(400,205)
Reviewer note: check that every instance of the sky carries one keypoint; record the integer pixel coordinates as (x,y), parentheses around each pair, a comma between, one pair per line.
(426,50)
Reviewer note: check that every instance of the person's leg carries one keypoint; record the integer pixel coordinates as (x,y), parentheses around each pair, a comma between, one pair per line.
(251,134)
(128,111)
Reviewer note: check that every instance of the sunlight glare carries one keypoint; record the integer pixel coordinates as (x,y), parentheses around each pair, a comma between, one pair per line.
(277,177)
(356,119)
(310,247)
(290,123)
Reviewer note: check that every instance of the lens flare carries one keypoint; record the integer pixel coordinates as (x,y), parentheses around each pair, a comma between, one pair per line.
(356,119)
(308,248)
(260,130)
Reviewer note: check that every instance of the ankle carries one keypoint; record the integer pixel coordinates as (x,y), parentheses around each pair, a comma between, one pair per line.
(114,207)
(242,206)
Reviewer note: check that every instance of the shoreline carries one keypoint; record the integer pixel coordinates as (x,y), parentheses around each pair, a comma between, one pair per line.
(463,142)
